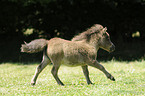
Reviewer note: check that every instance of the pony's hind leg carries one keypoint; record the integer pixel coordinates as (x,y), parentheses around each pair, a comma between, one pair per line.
(54,72)
(39,69)
(86,73)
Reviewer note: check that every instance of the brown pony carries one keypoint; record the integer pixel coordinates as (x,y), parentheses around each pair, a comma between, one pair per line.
(80,51)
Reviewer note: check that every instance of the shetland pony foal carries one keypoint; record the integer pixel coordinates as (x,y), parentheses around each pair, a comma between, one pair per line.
(80,51)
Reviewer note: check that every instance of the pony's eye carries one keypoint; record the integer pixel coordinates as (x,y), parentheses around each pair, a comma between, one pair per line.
(105,35)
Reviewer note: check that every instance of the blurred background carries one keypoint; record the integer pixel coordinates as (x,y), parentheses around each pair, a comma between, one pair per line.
(25,20)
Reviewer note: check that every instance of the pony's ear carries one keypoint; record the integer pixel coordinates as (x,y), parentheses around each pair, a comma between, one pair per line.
(25,42)
(104,30)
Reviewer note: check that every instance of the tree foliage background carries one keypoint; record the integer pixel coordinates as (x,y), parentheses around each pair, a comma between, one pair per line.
(25,20)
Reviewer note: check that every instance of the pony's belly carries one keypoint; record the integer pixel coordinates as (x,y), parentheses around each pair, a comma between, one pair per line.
(72,63)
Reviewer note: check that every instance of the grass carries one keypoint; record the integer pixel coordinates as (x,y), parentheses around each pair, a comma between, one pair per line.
(130,80)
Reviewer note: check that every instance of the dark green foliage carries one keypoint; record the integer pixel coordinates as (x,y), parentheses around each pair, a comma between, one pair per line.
(65,18)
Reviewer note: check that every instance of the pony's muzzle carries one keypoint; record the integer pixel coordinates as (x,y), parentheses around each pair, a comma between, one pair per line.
(112,48)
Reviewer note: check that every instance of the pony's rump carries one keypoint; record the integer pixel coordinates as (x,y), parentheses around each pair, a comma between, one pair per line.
(34,46)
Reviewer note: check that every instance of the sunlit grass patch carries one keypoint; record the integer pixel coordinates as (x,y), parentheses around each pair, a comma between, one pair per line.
(130,80)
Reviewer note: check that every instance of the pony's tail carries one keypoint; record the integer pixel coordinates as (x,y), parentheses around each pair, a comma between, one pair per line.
(34,46)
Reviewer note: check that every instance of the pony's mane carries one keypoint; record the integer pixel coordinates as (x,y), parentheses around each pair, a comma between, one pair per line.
(87,34)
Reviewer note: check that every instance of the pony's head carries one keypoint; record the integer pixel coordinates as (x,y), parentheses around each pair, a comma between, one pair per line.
(96,35)
(105,42)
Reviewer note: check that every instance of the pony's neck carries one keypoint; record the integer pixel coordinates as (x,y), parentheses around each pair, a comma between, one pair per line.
(94,43)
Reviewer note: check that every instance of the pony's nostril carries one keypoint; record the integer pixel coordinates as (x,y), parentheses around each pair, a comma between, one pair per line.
(112,48)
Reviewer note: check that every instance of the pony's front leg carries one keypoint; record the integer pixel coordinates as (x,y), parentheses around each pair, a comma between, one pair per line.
(39,69)
(101,68)
(86,73)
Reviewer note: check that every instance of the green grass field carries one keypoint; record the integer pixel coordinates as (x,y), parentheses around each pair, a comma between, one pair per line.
(130,80)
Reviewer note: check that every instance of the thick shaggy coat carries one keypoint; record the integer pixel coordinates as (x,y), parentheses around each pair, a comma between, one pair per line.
(80,51)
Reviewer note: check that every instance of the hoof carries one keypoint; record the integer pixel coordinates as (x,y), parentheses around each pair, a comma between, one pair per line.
(90,83)
(113,79)
(32,83)
(61,84)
